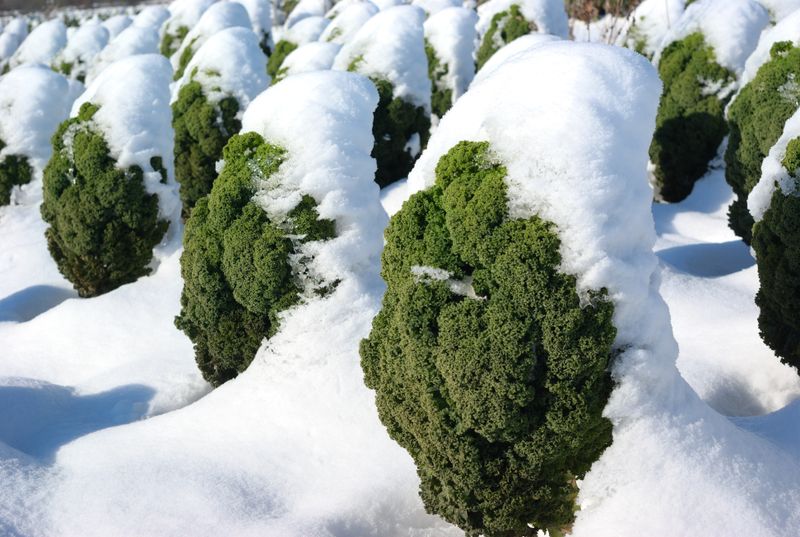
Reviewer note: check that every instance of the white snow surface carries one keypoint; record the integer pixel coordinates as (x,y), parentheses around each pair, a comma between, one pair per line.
(152,17)
(517,46)
(134,116)
(779,9)
(230,63)
(773,173)
(730,27)
(316,56)
(431,7)
(391,46)
(307,8)
(116,24)
(676,464)
(83,46)
(651,21)
(347,22)
(12,37)
(788,29)
(185,13)
(306,30)
(451,33)
(338,7)
(548,15)
(42,44)
(216,18)
(385,4)
(34,100)
(260,13)
(134,40)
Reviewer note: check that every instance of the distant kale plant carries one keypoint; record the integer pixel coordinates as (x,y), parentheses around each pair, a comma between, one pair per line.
(15,170)
(441,95)
(103,224)
(202,128)
(282,49)
(504,28)
(172,39)
(488,367)
(240,267)
(756,120)
(690,124)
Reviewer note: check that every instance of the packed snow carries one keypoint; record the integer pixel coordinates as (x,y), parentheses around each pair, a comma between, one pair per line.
(316,56)
(548,15)
(519,45)
(133,41)
(451,34)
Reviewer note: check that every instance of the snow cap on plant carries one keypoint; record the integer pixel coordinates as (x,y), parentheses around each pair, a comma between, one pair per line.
(518,46)
(307,8)
(33,101)
(184,15)
(502,21)
(280,226)
(152,17)
(647,25)
(225,74)
(390,50)
(116,24)
(41,45)
(216,18)
(512,273)
(82,48)
(260,13)
(346,22)
(307,30)
(700,62)
(315,56)
(109,191)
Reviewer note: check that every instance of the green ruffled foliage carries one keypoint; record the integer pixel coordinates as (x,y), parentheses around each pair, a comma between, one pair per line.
(103,224)
(185,58)
(14,171)
(441,96)
(492,375)
(282,49)
(171,41)
(236,261)
(396,121)
(201,129)
(690,124)
(505,27)
(756,119)
(776,241)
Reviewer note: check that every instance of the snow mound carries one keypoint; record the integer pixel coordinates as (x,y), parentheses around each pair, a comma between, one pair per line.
(385,4)
(390,46)
(773,174)
(788,29)
(778,9)
(133,41)
(316,56)
(12,37)
(548,15)
(33,102)
(136,121)
(116,24)
(347,22)
(307,8)
(83,46)
(338,7)
(229,63)
(185,13)
(306,30)
(42,44)
(432,7)
(649,24)
(730,27)
(519,45)
(152,17)
(260,14)
(218,17)
(451,33)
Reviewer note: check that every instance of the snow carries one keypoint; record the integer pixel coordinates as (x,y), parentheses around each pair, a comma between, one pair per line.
(788,29)
(33,101)
(260,13)
(134,116)
(230,63)
(316,56)
(152,17)
(548,15)
(347,22)
(773,173)
(116,24)
(519,45)
(432,7)
(385,4)
(306,30)
(451,33)
(185,13)
(12,36)
(391,46)
(730,27)
(216,18)
(83,46)
(42,44)
(779,9)
(650,22)
(133,41)
(307,8)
